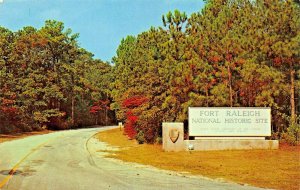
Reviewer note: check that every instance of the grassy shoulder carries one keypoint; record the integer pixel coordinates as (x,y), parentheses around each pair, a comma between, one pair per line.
(279,169)
(4,138)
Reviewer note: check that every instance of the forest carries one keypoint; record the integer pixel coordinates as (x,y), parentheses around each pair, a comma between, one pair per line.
(48,81)
(232,53)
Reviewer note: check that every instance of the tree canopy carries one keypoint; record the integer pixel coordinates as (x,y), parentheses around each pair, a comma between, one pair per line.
(47,79)
(237,53)
(232,53)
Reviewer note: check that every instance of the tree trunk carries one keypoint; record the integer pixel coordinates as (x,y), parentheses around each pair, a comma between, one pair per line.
(292,91)
(105,117)
(72,111)
(206,92)
(230,86)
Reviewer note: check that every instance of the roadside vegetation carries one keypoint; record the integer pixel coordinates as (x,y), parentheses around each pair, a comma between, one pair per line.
(15,136)
(278,169)
(237,53)
(48,81)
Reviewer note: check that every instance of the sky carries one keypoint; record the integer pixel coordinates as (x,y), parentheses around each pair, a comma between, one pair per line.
(101,24)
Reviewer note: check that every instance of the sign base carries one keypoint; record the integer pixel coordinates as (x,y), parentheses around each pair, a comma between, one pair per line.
(230,144)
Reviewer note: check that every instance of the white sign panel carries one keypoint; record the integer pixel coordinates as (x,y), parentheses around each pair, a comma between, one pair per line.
(205,121)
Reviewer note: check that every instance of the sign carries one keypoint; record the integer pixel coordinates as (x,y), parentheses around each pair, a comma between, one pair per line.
(174,134)
(236,122)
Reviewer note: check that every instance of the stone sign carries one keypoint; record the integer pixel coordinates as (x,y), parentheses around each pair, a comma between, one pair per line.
(173,137)
(230,122)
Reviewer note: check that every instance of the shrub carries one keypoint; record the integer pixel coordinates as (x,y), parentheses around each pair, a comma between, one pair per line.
(58,123)
(274,136)
(140,137)
(130,104)
(130,126)
(292,136)
(150,125)
(158,140)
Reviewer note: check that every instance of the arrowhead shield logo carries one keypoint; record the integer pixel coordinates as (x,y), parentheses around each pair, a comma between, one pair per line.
(174,135)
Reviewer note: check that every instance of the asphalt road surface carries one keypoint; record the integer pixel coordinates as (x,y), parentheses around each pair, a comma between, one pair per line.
(71,160)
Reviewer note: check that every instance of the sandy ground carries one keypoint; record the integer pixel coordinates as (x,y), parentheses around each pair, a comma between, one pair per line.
(72,160)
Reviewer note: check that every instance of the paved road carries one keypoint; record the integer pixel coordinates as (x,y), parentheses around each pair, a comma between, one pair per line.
(70,160)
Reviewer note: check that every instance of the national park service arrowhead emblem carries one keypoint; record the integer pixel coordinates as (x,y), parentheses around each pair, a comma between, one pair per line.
(174,135)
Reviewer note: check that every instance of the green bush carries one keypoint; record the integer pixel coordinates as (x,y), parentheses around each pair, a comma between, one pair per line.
(292,135)
(158,140)
(275,136)
(140,137)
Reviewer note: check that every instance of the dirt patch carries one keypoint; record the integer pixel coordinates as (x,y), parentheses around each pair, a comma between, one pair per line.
(4,138)
(279,169)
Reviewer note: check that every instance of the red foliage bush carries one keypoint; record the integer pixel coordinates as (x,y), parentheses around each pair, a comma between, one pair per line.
(131,119)
(95,109)
(134,101)
(8,108)
(130,125)
(99,105)
(10,118)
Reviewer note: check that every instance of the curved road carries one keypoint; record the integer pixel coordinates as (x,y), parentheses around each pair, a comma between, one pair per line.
(71,160)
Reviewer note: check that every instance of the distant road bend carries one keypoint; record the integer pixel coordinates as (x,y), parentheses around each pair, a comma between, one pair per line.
(69,160)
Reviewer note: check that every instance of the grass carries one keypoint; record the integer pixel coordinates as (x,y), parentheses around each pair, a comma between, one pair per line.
(4,138)
(279,169)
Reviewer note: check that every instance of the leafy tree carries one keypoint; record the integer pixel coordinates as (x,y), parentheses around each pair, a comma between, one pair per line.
(47,79)
(232,53)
